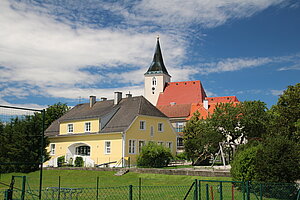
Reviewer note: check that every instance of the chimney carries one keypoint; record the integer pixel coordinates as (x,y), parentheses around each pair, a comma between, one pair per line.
(92,100)
(103,98)
(205,104)
(128,95)
(118,97)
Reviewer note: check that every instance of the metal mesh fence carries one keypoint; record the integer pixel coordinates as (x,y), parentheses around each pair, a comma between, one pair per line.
(199,190)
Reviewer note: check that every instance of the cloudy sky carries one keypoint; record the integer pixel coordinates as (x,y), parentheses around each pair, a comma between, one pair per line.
(65,51)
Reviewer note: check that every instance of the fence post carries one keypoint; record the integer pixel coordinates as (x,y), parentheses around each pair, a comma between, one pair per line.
(207,192)
(247,190)
(196,190)
(130,192)
(243,190)
(260,191)
(221,190)
(199,190)
(140,187)
(97,187)
(58,188)
(23,187)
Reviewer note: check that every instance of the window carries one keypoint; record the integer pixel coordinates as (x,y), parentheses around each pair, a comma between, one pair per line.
(153,81)
(131,149)
(160,143)
(169,145)
(70,128)
(52,149)
(179,142)
(160,127)
(179,127)
(87,126)
(151,131)
(107,147)
(141,144)
(142,125)
(83,150)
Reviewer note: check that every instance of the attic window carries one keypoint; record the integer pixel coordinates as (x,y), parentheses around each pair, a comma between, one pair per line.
(176,83)
(228,98)
(184,83)
(212,99)
(193,82)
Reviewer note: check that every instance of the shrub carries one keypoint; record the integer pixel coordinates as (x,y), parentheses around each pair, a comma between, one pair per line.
(60,161)
(243,164)
(79,162)
(181,156)
(154,155)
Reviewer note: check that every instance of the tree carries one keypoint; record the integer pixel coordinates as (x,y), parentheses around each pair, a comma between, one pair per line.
(201,140)
(20,140)
(286,114)
(154,155)
(54,112)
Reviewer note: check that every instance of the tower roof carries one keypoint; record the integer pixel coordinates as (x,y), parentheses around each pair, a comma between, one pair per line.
(157,66)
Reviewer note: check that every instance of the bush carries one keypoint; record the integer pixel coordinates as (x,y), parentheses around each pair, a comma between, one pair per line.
(79,162)
(60,161)
(154,155)
(181,156)
(278,161)
(243,164)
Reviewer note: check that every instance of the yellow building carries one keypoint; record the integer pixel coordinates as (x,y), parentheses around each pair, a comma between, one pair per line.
(108,131)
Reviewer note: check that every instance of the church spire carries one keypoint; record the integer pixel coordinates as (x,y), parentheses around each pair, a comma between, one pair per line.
(157,66)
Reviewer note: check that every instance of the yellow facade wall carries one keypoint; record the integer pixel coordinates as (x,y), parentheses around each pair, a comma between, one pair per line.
(79,126)
(96,143)
(134,133)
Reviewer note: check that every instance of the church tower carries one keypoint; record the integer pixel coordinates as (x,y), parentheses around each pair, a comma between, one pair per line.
(156,77)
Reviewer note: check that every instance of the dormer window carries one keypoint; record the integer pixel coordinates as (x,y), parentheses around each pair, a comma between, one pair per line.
(87,127)
(70,128)
(153,81)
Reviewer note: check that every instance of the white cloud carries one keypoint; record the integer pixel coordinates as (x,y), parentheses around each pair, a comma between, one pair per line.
(49,49)
(292,67)
(276,92)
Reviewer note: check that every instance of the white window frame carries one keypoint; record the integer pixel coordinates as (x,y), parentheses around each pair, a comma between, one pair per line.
(142,125)
(169,145)
(107,148)
(160,129)
(69,128)
(141,146)
(160,143)
(87,127)
(52,149)
(132,146)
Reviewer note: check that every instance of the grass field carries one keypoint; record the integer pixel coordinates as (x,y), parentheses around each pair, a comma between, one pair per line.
(88,179)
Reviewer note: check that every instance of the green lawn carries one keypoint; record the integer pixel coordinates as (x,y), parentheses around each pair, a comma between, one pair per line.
(87,179)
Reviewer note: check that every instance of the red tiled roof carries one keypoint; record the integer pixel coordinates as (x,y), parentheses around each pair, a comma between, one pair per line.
(181,110)
(185,92)
(212,104)
(226,99)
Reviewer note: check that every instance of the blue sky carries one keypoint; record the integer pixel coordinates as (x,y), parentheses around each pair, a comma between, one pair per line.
(65,51)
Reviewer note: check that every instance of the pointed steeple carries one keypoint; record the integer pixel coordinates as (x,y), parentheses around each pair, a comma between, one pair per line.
(157,66)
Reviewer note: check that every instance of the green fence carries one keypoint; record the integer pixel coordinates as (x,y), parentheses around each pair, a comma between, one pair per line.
(197,190)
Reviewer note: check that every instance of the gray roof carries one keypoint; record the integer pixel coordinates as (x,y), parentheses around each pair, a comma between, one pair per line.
(114,118)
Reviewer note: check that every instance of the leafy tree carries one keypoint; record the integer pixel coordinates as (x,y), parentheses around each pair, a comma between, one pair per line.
(154,155)
(201,140)
(54,112)
(20,140)
(286,114)
(79,162)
